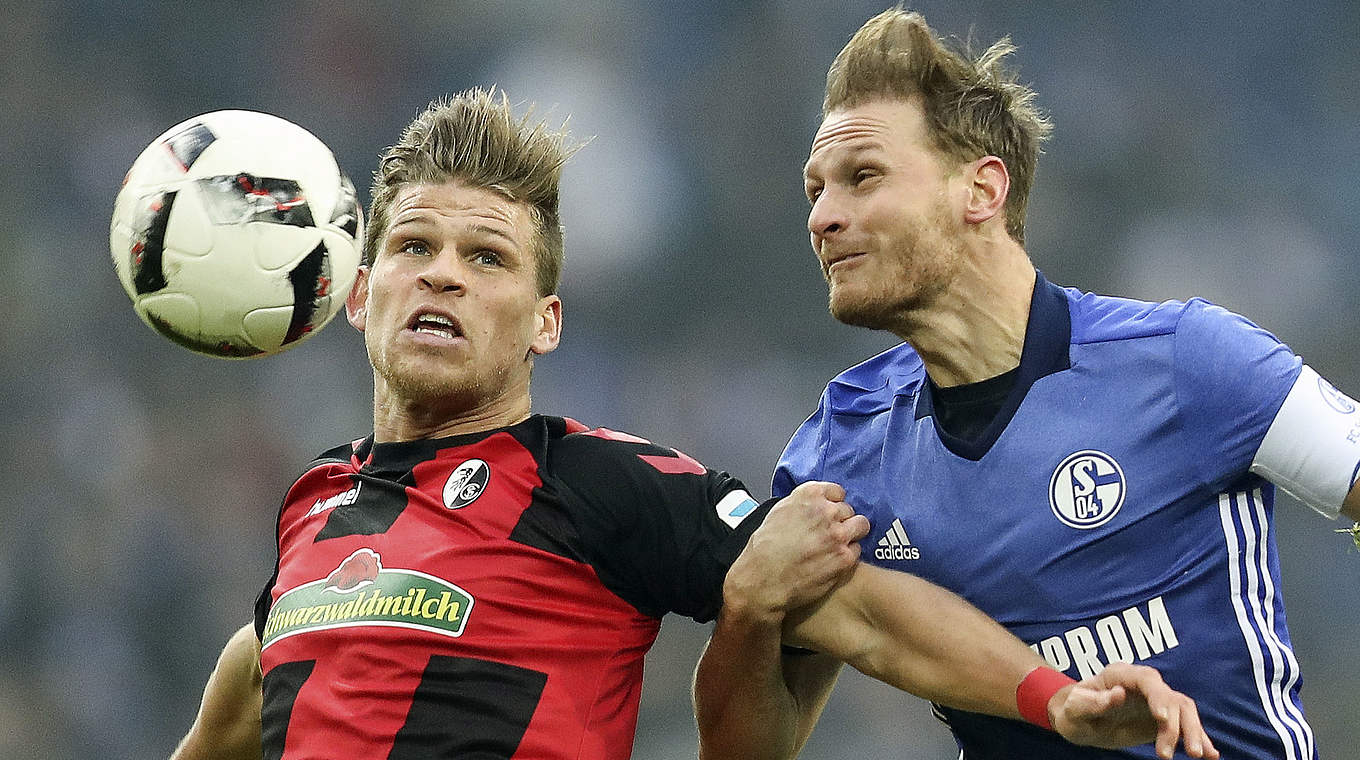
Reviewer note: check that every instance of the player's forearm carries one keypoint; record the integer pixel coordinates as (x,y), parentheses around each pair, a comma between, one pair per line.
(1350,508)
(743,706)
(920,638)
(228,723)
(204,745)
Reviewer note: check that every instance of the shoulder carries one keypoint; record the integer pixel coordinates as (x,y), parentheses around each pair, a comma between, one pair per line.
(345,456)
(659,528)
(596,447)
(870,386)
(1206,325)
(622,468)
(1098,318)
(345,453)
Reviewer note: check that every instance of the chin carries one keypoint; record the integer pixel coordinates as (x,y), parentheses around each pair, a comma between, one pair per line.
(418,382)
(433,391)
(862,312)
(882,308)
(869,320)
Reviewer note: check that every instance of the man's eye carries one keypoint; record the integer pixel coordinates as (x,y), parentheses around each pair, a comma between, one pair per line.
(864,174)
(414,247)
(488,258)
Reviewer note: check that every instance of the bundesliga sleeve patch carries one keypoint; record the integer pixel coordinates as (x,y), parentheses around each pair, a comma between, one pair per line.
(735,506)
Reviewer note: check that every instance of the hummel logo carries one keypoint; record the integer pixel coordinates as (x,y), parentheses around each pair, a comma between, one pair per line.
(895,544)
(339,500)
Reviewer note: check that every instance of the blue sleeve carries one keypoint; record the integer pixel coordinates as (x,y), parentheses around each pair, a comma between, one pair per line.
(1231,378)
(804,458)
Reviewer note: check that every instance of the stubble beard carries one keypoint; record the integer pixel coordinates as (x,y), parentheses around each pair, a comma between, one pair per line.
(882,310)
(446,391)
(920,270)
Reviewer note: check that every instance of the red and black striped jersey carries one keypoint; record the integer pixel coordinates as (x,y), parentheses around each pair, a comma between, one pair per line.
(487,595)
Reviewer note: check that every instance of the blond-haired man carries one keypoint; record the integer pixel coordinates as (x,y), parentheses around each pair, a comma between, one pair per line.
(475,580)
(1095,473)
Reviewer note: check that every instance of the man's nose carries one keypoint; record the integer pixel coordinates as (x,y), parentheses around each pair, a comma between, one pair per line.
(444,272)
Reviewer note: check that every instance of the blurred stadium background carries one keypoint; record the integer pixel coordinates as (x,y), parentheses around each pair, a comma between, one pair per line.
(1201,148)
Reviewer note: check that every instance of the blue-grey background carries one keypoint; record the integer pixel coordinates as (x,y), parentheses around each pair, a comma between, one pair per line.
(1203,148)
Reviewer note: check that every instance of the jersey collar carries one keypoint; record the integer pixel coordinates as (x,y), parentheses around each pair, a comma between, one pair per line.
(1048,338)
(396,457)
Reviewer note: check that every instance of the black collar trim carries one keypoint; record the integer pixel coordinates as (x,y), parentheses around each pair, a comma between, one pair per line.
(402,456)
(1048,338)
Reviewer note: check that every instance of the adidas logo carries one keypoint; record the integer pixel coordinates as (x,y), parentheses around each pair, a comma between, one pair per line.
(895,544)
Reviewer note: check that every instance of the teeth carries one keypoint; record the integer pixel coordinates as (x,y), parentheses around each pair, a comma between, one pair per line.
(435,324)
(441,333)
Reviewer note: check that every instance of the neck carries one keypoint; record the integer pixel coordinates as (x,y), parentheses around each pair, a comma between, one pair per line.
(397,419)
(975,329)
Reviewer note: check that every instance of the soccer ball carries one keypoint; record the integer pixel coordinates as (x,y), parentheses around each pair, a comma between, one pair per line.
(236,234)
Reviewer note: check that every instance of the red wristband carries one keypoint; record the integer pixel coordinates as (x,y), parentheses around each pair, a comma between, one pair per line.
(1033,693)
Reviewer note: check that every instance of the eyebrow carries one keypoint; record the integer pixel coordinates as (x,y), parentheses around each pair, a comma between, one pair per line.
(486,229)
(850,154)
(489,230)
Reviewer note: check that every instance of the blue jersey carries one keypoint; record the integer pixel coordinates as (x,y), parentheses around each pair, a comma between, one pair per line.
(1107,513)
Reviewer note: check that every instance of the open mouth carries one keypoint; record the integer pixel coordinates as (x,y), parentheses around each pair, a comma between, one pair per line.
(436,324)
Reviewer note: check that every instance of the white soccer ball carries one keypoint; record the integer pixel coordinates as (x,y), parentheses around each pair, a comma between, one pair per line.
(236,234)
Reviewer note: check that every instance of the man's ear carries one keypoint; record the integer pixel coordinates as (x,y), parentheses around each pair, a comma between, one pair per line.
(356,304)
(549,325)
(989,184)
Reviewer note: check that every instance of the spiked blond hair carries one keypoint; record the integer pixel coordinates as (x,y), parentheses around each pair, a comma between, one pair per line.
(473,137)
(973,107)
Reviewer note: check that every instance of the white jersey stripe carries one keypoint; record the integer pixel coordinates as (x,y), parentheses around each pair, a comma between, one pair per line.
(1286,676)
(1251,514)
(1228,516)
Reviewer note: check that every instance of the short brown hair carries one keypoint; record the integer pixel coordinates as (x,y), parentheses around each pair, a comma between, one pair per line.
(974,107)
(474,137)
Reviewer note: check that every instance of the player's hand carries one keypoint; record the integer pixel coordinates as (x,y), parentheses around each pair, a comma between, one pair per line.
(807,544)
(1127,705)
